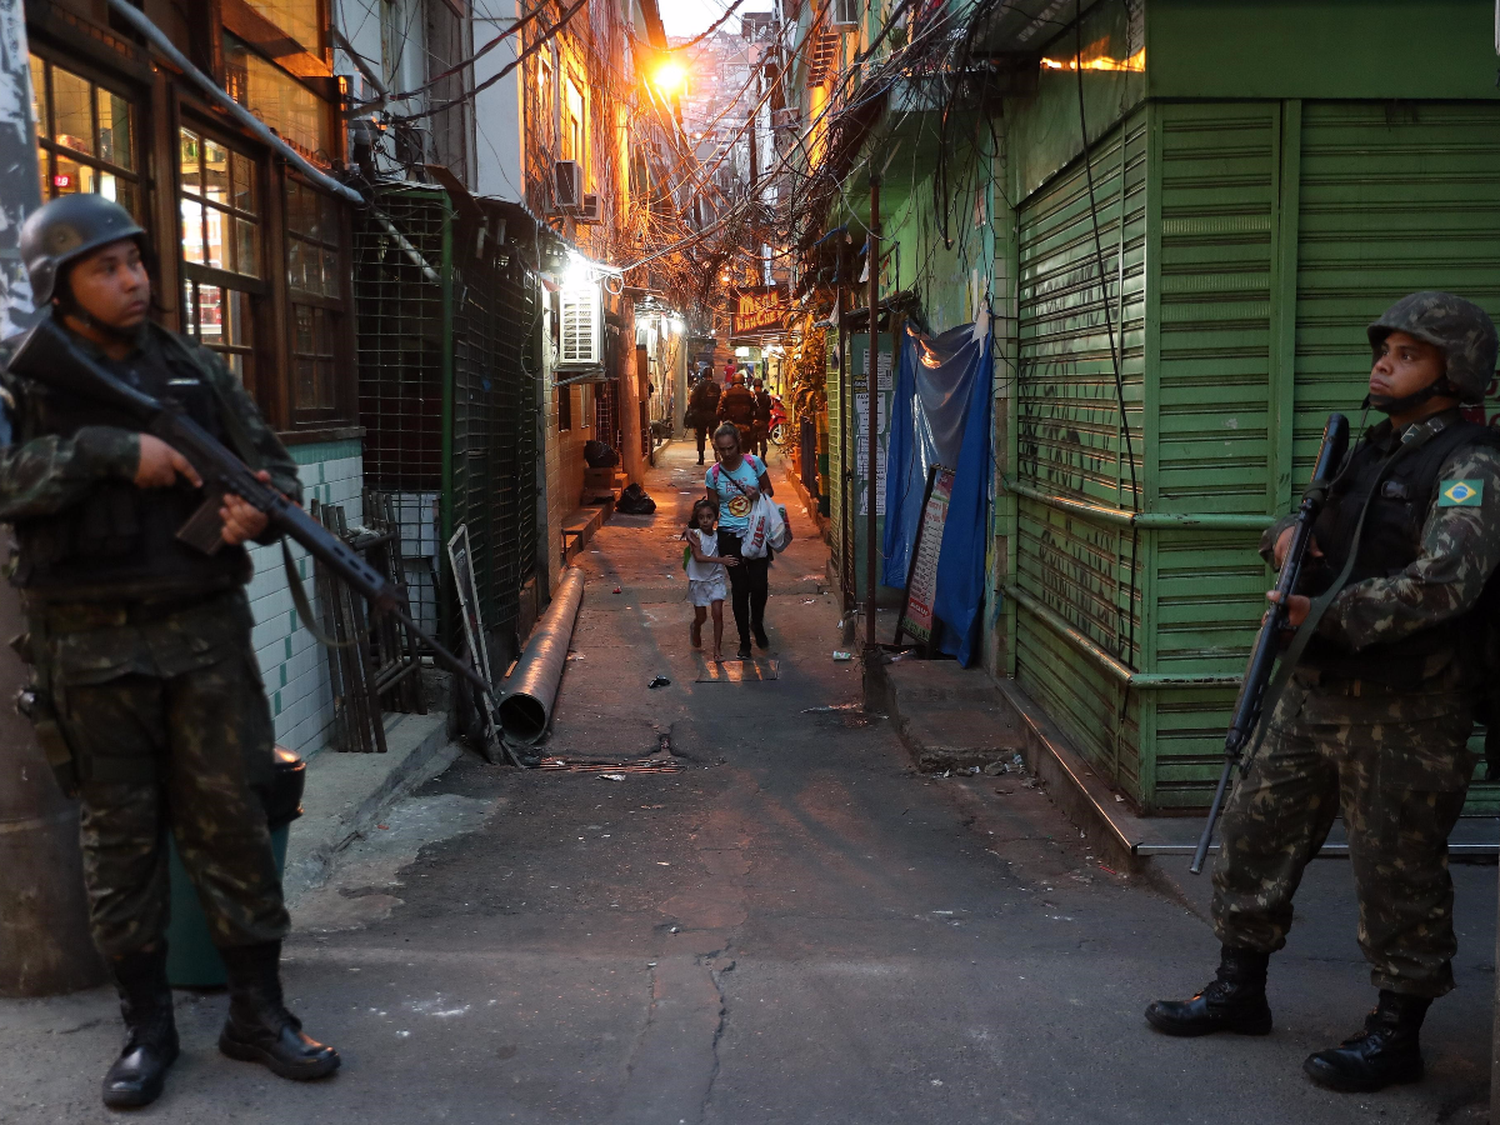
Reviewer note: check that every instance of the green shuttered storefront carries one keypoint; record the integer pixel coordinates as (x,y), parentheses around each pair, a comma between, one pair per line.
(1245,245)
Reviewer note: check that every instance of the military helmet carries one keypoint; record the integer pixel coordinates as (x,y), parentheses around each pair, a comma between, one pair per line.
(1461,328)
(68,228)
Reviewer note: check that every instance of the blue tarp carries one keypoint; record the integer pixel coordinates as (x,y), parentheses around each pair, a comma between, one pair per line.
(940,414)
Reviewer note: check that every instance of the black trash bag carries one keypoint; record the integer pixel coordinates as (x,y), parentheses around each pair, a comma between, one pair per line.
(634,502)
(597,455)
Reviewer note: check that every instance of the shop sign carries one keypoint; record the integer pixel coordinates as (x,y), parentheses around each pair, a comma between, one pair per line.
(758,308)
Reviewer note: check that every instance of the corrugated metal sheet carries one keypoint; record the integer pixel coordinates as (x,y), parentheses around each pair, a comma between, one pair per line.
(837,485)
(1072,445)
(1259,239)
(1213,411)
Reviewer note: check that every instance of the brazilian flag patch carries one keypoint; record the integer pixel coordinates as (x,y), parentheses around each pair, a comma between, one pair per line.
(1460,494)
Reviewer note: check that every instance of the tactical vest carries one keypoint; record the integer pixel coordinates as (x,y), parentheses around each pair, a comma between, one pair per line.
(118,537)
(1390,541)
(738,405)
(706,399)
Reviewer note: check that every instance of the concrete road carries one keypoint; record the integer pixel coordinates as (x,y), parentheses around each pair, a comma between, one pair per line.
(793,928)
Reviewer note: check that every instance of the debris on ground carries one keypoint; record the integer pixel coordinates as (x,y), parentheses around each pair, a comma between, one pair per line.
(840,655)
(632,765)
(659,681)
(832,708)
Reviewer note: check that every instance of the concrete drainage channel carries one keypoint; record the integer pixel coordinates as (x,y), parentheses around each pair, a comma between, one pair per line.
(960,721)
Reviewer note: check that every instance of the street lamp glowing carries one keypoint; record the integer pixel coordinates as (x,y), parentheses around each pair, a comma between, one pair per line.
(669,78)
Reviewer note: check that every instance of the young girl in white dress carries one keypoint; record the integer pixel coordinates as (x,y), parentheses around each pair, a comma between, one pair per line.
(707,585)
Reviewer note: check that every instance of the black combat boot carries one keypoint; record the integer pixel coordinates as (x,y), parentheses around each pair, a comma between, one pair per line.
(259,1028)
(151,1043)
(1384,1054)
(1234,1001)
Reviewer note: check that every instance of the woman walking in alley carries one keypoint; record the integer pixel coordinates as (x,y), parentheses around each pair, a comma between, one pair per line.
(735,484)
(706,569)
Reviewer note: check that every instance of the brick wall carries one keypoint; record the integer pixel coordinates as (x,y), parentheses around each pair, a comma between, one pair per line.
(295,667)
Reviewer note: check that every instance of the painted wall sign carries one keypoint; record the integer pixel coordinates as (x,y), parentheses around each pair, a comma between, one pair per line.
(758,308)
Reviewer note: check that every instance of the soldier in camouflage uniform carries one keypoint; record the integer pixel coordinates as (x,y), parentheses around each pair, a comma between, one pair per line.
(147,695)
(1376,719)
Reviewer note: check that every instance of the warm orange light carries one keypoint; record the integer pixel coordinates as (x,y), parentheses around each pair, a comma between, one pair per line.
(1135,63)
(670,78)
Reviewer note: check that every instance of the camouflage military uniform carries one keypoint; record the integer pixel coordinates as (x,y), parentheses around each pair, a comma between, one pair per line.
(1393,757)
(157,692)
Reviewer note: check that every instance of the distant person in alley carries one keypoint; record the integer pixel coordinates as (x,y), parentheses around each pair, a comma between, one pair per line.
(703,409)
(737,405)
(706,571)
(734,484)
(1375,720)
(762,427)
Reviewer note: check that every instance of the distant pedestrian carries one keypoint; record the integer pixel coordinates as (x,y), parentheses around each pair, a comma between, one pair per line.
(735,484)
(706,571)
(703,407)
(762,424)
(737,405)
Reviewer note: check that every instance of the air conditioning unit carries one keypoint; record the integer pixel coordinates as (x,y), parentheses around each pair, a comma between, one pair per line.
(591,211)
(567,177)
(581,327)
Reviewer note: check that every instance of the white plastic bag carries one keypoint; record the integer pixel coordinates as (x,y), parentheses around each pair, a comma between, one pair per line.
(779,532)
(754,542)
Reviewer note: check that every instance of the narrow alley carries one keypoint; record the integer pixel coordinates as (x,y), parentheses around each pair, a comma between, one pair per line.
(794,927)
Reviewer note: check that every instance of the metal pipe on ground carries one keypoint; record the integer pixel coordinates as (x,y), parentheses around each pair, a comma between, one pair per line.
(526,709)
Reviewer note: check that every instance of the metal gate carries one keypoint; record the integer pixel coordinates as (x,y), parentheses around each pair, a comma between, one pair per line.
(448,399)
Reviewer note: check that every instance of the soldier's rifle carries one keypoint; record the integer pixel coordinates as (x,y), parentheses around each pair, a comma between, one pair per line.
(47,356)
(1268,642)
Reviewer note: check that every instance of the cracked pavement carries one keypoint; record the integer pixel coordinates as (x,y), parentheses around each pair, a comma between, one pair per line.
(794,928)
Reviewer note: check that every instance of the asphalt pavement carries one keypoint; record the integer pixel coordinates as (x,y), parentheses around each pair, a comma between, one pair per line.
(790,926)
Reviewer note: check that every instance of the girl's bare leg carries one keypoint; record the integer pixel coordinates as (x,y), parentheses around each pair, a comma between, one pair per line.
(718,632)
(700,614)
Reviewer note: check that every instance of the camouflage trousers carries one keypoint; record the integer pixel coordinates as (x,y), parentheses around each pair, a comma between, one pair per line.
(1396,764)
(166,715)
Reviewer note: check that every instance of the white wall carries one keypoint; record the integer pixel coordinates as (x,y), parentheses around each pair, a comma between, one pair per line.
(293,665)
(499,148)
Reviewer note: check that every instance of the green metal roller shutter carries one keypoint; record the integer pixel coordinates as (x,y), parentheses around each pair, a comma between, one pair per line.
(1076,567)
(1212,452)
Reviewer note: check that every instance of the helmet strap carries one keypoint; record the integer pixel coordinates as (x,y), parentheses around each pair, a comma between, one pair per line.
(68,306)
(1388,405)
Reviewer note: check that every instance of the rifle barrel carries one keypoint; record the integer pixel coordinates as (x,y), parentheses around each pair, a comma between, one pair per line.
(1248,705)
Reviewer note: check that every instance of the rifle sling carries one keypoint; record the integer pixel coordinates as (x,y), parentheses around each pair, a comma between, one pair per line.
(304,607)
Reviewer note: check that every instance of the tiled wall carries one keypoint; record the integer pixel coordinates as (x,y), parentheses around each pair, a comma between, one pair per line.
(295,667)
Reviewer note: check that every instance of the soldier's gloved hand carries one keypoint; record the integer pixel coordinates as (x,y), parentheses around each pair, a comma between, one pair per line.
(1284,544)
(160,465)
(1296,607)
(242,520)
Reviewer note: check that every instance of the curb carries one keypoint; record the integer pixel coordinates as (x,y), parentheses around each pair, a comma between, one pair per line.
(346,793)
